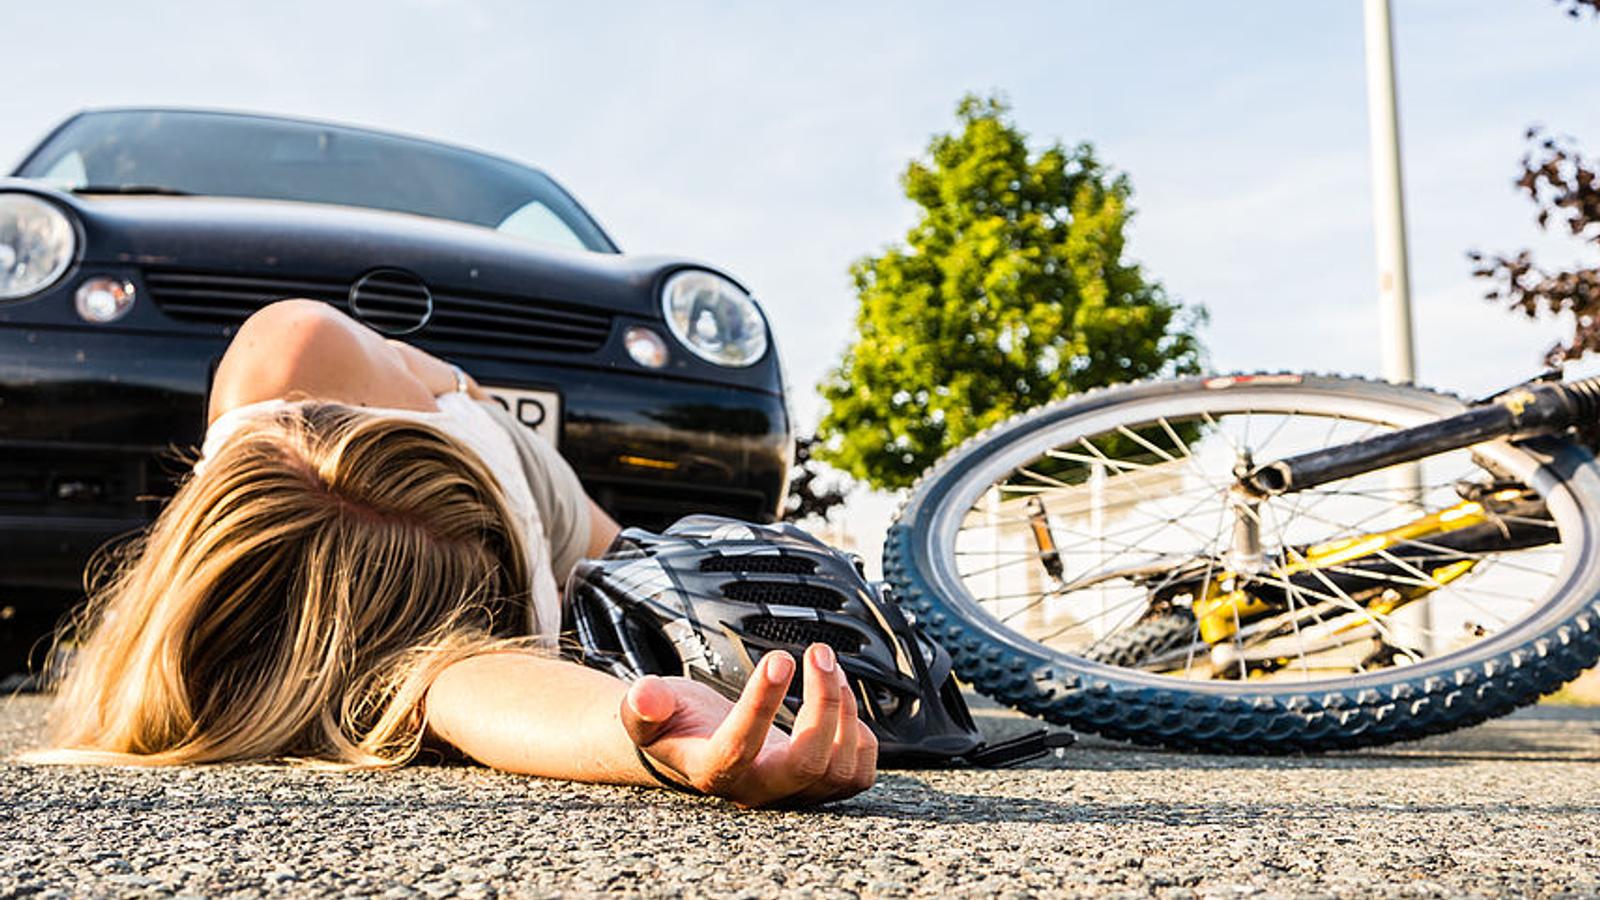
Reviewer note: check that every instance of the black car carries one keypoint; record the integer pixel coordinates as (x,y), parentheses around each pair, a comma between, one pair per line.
(134,242)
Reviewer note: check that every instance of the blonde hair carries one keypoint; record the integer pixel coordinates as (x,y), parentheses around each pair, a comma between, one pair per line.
(294,601)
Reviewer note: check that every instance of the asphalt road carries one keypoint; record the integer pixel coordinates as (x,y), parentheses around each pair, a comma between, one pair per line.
(1509,808)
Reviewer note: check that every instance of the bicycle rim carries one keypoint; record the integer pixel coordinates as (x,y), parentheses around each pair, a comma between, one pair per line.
(1135,478)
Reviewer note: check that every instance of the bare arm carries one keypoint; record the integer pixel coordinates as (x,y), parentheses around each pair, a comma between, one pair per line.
(436,374)
(541,716)
(538,716)
(602,530)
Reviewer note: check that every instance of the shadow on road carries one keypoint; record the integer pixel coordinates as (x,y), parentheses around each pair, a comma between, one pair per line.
(907,798)
(1533,734)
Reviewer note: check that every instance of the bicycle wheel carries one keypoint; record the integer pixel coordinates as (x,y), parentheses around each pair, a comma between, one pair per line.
(1087,562)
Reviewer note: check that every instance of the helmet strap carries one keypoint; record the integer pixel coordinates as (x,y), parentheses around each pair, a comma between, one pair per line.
(672,783)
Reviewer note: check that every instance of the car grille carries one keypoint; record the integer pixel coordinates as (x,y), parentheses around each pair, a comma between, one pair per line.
(482,320)
(229,299)
(391,301)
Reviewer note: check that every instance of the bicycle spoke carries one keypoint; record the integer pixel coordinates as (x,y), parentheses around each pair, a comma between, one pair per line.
(1092,460)
(1452,589)
(1283,420)
(1290,594)
(1188,455)
(1145,530)
(1222,522)
(1134,436)
(1338,595)
(1453,553)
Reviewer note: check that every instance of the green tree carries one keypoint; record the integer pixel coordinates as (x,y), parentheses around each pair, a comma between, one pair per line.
(1010,291)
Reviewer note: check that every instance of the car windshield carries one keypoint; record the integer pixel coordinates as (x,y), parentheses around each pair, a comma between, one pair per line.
(221,155)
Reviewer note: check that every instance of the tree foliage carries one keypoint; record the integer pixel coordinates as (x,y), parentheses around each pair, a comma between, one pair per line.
(1011,290)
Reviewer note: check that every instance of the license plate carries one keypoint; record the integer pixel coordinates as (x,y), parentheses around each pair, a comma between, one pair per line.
(539,410)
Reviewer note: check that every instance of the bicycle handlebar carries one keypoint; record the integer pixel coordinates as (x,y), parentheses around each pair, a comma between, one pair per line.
(1524,411)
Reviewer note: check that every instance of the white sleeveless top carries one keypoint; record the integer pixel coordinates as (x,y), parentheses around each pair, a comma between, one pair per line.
(463,419)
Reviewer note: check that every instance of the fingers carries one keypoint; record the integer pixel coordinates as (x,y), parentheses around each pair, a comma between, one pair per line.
(740,737)
(817,724)
(830,754)
(841,770)
(646,708)
(866,760)
(854,763)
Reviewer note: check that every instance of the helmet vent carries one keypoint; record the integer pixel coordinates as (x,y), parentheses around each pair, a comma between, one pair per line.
(801,632)
(761,563)
(780,594)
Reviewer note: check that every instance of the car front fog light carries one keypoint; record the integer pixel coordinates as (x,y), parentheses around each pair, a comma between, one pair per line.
(37,243)
(102,300)
(646,347)
(714,318)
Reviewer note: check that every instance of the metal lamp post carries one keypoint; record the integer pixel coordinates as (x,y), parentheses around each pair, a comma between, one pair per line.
(1394,276)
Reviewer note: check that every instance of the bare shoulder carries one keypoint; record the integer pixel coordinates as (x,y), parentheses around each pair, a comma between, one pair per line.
(308,348)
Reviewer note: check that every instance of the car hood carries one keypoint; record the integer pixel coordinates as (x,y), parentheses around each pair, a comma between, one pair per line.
(338,242)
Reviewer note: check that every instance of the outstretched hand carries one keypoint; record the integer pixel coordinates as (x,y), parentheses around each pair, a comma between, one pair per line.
(731,749)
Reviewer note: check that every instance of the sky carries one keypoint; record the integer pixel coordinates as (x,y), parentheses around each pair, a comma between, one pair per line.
(768,139)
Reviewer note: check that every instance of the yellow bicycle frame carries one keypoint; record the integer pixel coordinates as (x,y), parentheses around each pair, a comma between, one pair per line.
(1223,608)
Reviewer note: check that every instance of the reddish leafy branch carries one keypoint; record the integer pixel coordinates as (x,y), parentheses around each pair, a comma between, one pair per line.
(1565,188)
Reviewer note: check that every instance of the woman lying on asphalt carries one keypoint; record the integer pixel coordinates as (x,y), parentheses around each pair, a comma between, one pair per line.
(360,568)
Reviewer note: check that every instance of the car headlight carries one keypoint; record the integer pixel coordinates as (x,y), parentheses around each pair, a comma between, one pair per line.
(714,318)
(36,245)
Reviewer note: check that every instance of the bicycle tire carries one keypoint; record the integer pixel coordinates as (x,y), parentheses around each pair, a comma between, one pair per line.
(1556,640)
(1127,649)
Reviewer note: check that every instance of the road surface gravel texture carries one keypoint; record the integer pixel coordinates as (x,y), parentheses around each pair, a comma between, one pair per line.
(1511,808)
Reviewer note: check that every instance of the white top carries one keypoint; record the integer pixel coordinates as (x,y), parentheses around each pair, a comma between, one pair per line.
(463,419)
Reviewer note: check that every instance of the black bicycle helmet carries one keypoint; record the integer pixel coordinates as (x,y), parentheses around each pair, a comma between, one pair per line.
(707,598)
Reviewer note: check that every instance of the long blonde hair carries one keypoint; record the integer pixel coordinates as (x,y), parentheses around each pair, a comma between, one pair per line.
(294,600)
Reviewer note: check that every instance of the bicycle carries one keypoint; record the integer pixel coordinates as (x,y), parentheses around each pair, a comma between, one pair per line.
(1265,563)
